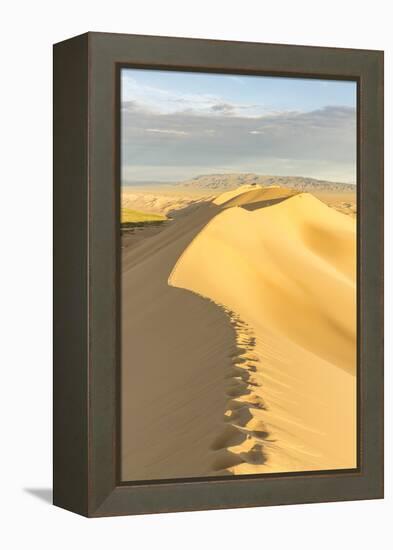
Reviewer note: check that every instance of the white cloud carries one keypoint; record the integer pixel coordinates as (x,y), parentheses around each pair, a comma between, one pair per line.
(161,101)
(315,143)
(163,131)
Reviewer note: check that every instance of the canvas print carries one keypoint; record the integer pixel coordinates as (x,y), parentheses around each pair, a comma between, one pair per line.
(238,275)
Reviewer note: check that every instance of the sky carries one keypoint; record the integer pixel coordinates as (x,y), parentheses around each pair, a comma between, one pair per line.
(178,125)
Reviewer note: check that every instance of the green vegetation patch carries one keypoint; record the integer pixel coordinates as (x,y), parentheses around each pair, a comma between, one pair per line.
(131,217)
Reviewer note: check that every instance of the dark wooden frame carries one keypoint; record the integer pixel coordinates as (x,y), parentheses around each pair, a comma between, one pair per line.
(86,270)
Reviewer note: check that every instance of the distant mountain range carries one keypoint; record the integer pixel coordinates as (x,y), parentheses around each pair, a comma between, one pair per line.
(231,181)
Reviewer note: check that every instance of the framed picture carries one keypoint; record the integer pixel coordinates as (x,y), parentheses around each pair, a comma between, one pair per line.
(218,274)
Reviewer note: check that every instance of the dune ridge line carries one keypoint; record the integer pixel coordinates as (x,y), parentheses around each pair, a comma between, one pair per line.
(283,267)
(241,380)
(238,338)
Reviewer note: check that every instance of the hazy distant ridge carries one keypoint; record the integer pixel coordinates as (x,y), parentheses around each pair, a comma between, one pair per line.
(230,181)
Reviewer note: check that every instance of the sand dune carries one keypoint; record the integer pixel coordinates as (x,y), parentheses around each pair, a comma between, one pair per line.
(254,196)
(163,200)
(176,350)
(174,200)
(287,270)
(239,354)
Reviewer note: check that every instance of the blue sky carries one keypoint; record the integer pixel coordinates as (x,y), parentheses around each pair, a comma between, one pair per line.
(271,93)
(177,125)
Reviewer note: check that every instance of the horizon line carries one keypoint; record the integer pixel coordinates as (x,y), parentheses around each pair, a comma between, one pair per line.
(176,181)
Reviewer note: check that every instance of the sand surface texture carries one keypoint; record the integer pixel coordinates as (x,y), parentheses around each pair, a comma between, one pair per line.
(238,339)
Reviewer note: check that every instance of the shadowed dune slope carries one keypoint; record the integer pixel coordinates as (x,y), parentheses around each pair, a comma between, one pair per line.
(250,194)
(288,271)
(176,350)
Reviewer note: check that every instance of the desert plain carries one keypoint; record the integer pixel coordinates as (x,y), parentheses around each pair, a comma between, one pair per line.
(238,328)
